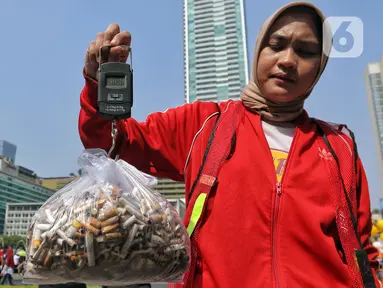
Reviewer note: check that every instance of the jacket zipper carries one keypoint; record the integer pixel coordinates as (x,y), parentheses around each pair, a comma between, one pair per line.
(278,186)
(274,237)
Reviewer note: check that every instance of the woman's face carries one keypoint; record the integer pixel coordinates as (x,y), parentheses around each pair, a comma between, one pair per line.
(290,57)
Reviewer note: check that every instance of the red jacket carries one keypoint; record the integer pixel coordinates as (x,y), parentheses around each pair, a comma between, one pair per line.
(9,260)
(236,243)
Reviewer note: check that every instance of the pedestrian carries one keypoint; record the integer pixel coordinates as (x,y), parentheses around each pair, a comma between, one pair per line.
(8,267)
(274,197)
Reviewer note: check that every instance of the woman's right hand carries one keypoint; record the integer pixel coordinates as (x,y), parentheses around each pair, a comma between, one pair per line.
(111,37)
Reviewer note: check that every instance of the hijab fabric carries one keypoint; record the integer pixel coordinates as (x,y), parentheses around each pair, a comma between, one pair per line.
(253,98)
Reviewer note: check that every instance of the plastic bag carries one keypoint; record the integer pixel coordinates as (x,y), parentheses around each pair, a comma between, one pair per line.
(107,228)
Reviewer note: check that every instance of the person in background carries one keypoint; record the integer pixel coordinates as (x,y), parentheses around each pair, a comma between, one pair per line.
(8,267)
(276,215)
(16,261)
(1,256)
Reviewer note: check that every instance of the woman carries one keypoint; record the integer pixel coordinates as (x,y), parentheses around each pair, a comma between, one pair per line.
(274,217)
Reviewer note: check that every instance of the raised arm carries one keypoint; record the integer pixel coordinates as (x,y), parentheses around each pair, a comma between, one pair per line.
(158,146)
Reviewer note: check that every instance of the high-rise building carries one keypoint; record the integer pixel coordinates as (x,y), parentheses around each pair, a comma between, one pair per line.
(18,185)
(8,150)
(215,54)
(374,80)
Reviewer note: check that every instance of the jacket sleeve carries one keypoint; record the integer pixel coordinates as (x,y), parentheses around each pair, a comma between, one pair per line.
(159,146)
(364,219)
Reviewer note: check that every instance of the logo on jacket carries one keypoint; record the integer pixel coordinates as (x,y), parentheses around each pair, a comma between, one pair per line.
(324,154)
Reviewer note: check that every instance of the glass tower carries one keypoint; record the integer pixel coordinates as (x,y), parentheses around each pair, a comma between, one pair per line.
(215,55)
(8,150)
(374,79)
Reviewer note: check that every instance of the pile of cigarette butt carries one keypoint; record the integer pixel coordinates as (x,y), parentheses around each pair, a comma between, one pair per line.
(107,234)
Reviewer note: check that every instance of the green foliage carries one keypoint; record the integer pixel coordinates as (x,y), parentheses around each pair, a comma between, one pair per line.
(13,241)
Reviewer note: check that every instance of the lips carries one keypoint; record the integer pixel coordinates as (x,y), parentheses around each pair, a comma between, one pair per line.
(283,77)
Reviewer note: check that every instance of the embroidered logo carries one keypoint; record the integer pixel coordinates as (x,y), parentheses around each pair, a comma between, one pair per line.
(324,154)
(207,180)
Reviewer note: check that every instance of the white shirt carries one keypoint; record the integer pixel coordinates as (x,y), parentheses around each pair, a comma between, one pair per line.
(279,138)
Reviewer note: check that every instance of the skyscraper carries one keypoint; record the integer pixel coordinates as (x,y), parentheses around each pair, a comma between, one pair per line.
(374,79)
(8,150)
(215,54)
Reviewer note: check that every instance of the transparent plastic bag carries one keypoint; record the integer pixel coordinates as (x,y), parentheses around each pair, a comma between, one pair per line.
(109,227)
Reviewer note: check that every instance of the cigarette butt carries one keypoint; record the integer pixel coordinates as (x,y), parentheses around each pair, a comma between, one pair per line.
(109,222)
(129,222)
(95,222)
(68,240)
(70,231)
(36,234)
(77,253)
(89,241)
(79,235)
(131,209)
(156,207)
(36,243)
(144,207)
(116,190)
(43,227)
(91,228)
(121,211)
(76,224)
(157,240)
(108,214)
(113,236)
(94,212)
(109,229)
(48,260)
(100,239)
(42,256)
(49,218)
(128,242)
(101,203)
(57,226)
(158,218)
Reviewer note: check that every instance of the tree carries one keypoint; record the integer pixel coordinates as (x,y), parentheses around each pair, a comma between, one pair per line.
(12,241)
(375,211)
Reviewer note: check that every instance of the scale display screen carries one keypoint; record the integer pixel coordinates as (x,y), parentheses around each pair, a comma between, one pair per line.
(115,82)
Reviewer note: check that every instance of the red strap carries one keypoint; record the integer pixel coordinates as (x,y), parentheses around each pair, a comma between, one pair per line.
(219,150)
(343,185)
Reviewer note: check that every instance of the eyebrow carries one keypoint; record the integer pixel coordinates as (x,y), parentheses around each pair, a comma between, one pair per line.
(282,37)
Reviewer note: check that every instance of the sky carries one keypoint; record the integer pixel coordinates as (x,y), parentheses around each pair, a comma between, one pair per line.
(44,43)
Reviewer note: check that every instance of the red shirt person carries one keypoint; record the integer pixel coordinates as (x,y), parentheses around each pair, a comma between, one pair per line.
(272,220)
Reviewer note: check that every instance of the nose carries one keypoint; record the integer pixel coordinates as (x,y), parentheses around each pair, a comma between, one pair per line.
(288,59)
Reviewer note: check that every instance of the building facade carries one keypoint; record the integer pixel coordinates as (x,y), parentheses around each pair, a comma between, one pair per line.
(56,183)
(374,80)
(170,189)
(19,185)
(18,217)
(8,150)
(215,53)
